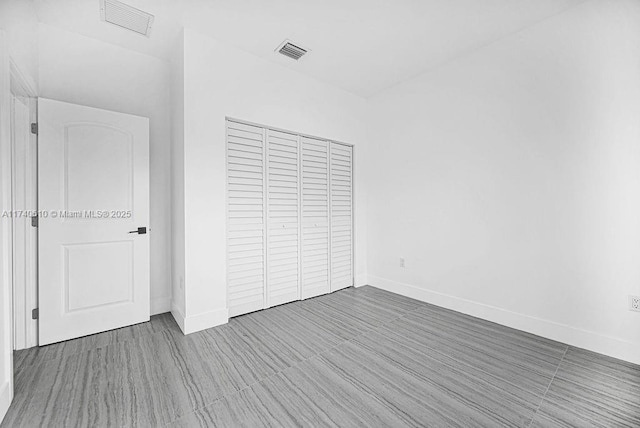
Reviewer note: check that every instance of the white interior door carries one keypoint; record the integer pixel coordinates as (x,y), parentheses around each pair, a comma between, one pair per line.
(93,192)
(283,195)
(341,216)
(315,217)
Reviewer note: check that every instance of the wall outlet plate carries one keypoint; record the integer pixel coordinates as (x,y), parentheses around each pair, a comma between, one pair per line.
(402,262)
(634,303)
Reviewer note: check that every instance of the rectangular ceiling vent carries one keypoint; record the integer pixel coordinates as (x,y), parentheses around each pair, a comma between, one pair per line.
(126,16)
(292,51)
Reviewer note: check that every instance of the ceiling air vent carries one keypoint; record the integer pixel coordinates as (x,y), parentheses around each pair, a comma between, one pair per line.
(125,16)
(292,51)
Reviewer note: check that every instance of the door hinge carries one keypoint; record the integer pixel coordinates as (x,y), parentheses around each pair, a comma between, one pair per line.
(35,314)
(34,221)
(34,128)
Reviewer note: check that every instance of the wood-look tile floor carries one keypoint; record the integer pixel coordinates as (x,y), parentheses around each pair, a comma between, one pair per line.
(358,357)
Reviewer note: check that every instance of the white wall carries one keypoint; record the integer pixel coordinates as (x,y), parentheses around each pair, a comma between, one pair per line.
(18,43)
(222,81)
(86,71)
(509,180)
(177,181)
(19,21)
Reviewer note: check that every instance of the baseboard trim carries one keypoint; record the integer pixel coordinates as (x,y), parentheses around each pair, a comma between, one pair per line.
(361,280)
(178,316)
(160,305)
(200,322)
(573,336)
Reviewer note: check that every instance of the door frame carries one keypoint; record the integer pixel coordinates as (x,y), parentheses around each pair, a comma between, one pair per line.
(6,264)
(25,295)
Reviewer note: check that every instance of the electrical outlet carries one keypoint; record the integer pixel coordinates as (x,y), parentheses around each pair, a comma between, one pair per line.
(402,264)
(634,303)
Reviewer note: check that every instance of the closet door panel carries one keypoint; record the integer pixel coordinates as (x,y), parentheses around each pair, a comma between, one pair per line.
(245,218)
(289,217)
(341,216)
(283,237)
(315,217)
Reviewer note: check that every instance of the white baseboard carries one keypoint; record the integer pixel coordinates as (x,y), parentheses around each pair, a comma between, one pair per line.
(573,336)
(6,395)
(206,320)
(360,280)
(178,316)
(200,322)
(160,305)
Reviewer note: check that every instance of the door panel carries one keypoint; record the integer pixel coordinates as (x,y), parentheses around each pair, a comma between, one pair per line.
(315,217)
(341,216)
(93,183)
(98,157)
(91,281)
(245,218)
(282,218)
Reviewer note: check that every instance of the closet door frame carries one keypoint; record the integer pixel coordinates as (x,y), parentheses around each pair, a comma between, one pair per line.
(265,128)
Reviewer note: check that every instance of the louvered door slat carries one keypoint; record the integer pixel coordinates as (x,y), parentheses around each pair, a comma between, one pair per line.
(283,230)
(341,216)
(315,217)
(245,218)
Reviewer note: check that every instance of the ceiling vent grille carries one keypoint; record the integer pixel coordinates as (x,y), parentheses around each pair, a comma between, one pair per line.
(125,16)
(292,51)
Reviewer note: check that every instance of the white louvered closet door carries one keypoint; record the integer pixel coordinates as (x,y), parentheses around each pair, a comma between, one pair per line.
(315,217)
(283,196)
(245,222)
(341,216)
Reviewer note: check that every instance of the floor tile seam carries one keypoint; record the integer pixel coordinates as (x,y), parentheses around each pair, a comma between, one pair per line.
(292,366)
(483,371)
(595,389)
(548,387)
(378,327)
(526,346)
(107,345)
(503,328)
(465,344)
(600,372)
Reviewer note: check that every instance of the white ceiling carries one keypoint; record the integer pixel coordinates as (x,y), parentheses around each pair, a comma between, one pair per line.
(362,46)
